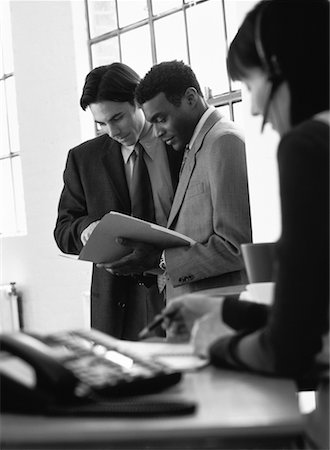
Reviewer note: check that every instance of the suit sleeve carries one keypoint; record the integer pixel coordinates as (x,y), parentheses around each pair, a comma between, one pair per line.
(72,216)
(229,218)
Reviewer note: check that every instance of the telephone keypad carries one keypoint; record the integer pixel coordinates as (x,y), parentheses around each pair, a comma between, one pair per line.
(102,368)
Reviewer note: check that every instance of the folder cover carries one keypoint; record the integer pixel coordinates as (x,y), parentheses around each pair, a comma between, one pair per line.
(102,247)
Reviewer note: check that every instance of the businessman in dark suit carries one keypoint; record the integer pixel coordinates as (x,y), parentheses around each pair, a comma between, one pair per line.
(97,179)
(211,204)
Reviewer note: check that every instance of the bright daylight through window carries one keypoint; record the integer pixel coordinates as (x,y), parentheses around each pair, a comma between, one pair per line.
(141,33)
(12,211)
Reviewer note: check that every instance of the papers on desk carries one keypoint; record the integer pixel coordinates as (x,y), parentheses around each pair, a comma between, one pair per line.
(102,247)
(176,356)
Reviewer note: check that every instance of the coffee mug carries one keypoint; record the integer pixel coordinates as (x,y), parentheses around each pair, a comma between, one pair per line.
(259,261)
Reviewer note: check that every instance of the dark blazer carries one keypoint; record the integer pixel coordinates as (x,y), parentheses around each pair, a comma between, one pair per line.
(94,184)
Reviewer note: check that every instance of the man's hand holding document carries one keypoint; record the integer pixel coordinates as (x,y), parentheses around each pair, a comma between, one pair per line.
(117,235)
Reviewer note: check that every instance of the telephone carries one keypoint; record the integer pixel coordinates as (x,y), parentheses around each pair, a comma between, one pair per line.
(72,370)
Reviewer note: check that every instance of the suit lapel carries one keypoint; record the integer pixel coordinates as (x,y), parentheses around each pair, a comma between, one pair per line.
(114,165)
(189,166)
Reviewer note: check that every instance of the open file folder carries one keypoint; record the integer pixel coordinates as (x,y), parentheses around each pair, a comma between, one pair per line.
(102,247)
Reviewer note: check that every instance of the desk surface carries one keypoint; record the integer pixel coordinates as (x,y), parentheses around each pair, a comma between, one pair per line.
(235,410)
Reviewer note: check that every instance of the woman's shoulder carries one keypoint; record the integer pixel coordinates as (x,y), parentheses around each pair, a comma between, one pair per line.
(314,131)
(320,123)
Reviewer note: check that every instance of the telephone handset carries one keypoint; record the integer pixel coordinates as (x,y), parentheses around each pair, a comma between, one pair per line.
(34,385)
(73,369)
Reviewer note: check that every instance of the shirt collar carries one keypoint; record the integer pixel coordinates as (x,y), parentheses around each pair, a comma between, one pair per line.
(126,152)
(147,141)
(201,122)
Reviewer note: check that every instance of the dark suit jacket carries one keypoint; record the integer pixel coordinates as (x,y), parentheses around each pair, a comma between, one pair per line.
(94,184)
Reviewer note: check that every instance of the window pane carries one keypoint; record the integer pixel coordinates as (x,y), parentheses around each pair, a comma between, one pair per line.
(159,6)
(105,52)
(12,210)
(224,110)
(2,67)
(239,113)
(5,39)
(12,114)
(130,42)
(131,11)
(7,203)
(207,46)
(102,16)
(19,196)
(4,137)
(171,44)
(235,13)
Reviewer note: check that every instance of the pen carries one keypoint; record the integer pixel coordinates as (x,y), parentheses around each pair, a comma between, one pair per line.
(157,320)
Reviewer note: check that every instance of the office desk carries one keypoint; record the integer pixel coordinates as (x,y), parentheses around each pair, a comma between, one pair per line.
(235,410)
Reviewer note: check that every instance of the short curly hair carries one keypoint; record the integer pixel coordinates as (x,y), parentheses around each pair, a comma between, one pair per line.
(172,78)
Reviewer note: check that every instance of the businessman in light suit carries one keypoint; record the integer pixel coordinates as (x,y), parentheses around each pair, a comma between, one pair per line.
(211,204)
(96,181)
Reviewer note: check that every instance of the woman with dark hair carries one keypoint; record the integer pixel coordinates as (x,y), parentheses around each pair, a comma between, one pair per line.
(281,53)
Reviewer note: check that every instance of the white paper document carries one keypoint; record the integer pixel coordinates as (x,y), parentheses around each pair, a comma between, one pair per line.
(176,356)
(102,247)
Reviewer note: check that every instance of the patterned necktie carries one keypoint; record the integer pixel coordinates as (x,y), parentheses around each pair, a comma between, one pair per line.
(141,193)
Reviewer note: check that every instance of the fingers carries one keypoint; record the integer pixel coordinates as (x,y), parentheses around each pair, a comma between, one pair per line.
(207,330)
(177,332)
(126,242)
(85,235)
(134,244)
(172,308)
(124,266)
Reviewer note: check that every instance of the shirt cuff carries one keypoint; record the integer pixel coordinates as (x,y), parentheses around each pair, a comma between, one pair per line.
(162,262)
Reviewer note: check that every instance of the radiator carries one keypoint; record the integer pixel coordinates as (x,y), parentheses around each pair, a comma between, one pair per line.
(10,308)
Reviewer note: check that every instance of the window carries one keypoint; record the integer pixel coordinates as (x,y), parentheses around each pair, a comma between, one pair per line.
(141,33)
(12,211)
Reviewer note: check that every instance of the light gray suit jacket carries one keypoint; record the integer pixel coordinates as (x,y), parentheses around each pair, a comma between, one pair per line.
(211,205)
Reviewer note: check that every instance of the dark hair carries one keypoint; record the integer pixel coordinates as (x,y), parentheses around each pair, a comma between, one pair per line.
(296,34)
(172,78)
(115,82)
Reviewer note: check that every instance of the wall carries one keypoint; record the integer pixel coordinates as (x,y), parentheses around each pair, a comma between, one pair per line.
(48,90)
(261,156)
(50,57)
(263,176)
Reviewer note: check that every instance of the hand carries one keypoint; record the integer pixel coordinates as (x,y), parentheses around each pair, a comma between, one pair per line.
(143,258)
(207,330)
(85,235)
(183,312)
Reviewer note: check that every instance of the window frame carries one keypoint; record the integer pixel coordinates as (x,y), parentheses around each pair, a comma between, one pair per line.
(227,98)
(17,226)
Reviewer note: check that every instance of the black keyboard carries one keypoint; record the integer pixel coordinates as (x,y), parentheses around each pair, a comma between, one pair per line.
(103,369)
